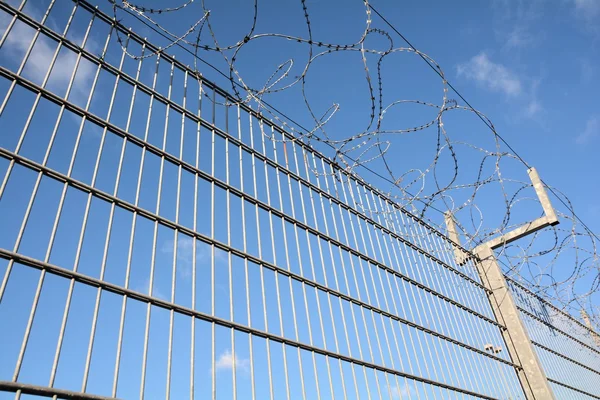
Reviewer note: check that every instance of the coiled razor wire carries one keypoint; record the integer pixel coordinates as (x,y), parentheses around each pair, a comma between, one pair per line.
(561,263)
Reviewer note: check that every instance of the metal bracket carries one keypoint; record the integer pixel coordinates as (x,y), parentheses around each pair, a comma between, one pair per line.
(549,219)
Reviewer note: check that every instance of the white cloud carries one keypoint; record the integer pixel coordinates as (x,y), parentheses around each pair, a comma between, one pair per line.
(495,77)
(498,78)
(533,108)
(592,129)
(516,22)
(185,252)
(399,392)
(588,11)
(227,360)
(145,289)
(17,43)
(185,246)
(518,37)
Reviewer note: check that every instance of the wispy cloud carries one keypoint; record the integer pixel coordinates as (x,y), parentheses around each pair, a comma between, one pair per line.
(493,76)
(399,392)
(145,289)
(227,360)
(518,37)
(591,131)
(516,23)
(184,254)
(533,108)
(498,78)
(185,248)
(588,8)
(38,63)
(589,12)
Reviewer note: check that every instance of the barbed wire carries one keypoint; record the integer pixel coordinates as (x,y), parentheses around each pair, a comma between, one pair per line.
(560,263)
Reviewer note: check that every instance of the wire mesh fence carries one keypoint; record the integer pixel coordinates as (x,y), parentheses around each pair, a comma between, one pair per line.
(162,240)
(568,350)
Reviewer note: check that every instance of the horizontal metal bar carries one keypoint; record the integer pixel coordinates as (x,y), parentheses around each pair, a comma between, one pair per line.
(52,97)
(572,388)
(521,309)
(93,58)
(50,268)
(547,303)
(7,386)
(518,233)
(154,217)
(556,353)
(549,218)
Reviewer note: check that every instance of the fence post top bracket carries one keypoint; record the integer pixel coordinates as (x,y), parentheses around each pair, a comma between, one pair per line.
(548,219)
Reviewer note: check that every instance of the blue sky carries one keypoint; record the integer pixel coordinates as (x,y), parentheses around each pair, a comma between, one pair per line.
(530,67)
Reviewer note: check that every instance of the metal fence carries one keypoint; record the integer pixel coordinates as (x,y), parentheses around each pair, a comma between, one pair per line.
(160,240)
(568,350)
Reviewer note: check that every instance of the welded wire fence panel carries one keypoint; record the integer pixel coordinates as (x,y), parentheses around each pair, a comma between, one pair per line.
(569,351)
(161,240)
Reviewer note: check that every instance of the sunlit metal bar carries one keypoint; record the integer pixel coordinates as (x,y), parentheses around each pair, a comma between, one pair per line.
(48,391)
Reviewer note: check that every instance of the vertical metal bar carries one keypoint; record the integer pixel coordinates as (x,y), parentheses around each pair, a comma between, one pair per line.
(195,241)
(234,359)
(287,262)
(149,306)
(212,262)
(134,219)
(154,244)
(175,241)
(255,208)
(230,266)
(274,255)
